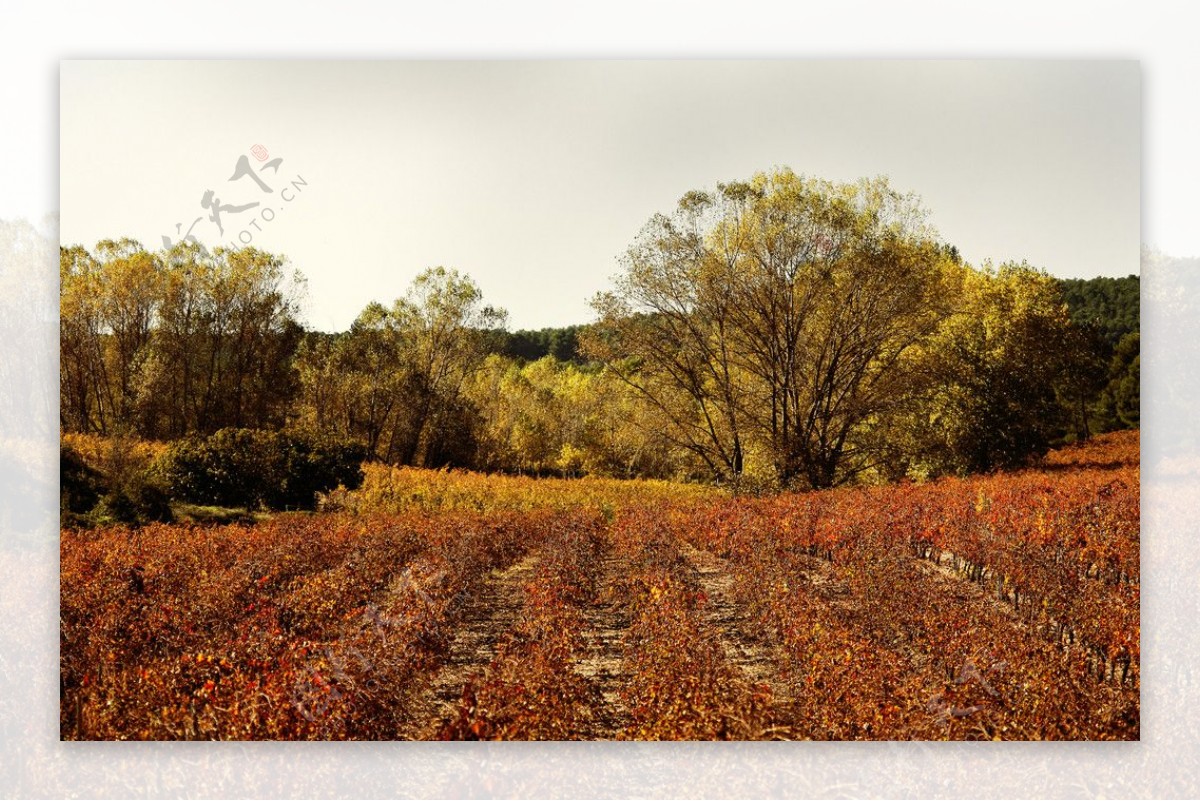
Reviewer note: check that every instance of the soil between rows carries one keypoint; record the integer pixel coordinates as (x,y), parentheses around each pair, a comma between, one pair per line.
(487,614)
(493,609)
(608,623)
(743,645)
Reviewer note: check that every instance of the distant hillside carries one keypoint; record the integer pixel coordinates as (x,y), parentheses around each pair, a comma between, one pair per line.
(1113,305)
(561,343)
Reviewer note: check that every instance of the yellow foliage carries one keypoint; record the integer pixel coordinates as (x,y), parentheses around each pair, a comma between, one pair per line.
(398,489)
(98,451)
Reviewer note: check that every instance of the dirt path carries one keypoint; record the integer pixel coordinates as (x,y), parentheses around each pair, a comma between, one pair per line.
(607,624)
(742,644)
(486,616)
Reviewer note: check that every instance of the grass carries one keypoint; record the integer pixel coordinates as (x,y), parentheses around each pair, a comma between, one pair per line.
(216,515)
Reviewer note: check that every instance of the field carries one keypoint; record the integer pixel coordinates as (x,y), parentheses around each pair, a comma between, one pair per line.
(432,605)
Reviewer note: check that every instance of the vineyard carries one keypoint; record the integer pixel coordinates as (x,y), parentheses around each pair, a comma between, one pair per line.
(434,605)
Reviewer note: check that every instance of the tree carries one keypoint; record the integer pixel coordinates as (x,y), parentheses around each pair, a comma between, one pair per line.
(131,280)
(995,364)
(445,319)
(1085,373)
(777,312)
(84,390)
(163,344)
(1108,310)
(395,380)
(223,345)
(108,304)
(1120,402)
(551,416)
(1113,305)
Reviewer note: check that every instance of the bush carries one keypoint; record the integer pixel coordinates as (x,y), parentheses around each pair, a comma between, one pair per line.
(232,467)
(142,501)
(125,490)
(79,486)
(312,467)
(252,469)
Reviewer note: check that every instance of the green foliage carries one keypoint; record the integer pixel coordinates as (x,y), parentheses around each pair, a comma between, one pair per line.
(80,486)
(252,469)
(1119,404)
(529,346)
(551,417)
(1109,307)
(125,489)
(1111,304)
(310,467)
(395,379)
(231,467)
(996,362)
(138,502)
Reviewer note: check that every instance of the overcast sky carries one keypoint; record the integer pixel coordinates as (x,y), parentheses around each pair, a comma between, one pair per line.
(533,177)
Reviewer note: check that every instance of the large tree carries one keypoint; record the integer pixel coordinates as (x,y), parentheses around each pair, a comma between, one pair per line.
(223,346)
(446,321)
(85,398)
(775,314)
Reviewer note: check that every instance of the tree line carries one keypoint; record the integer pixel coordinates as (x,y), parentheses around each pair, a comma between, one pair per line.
(782,331)
(175,342)
(1108,310)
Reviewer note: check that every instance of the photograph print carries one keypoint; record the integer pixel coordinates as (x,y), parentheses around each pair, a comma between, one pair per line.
(600,400)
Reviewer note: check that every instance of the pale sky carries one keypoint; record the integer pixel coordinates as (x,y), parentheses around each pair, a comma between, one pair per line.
(533,177)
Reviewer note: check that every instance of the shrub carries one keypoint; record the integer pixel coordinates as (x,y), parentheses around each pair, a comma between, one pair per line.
(79,485)
(252,468)
(317,466)
(123,489)
(137,502)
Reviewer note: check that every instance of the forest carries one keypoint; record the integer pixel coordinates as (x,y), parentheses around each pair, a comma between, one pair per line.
(783,332)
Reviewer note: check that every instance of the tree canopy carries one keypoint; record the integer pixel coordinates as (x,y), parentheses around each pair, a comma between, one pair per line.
(178,341)
(775,314)
(1113,305)
(781,330)
(395,379)
(823,329)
